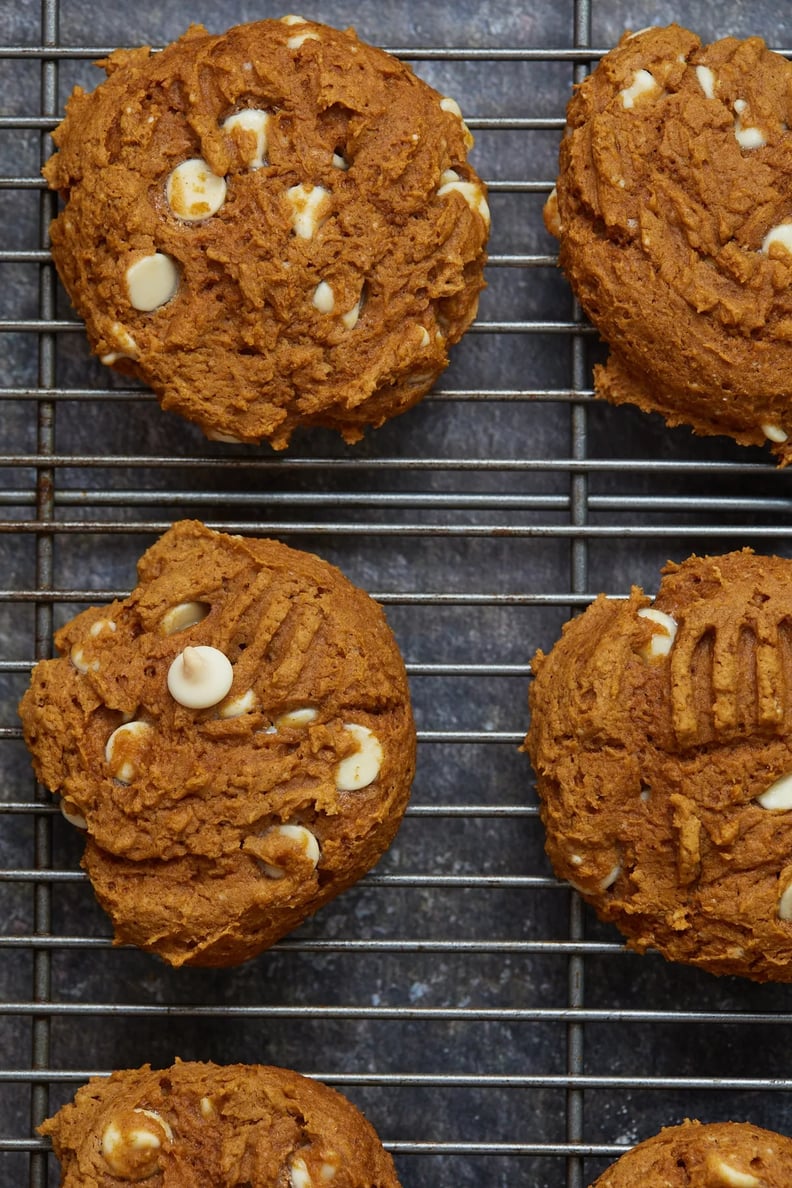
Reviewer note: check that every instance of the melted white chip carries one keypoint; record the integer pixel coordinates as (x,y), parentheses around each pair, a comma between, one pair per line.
(662,641)
(781,235)
(291,19)
(194,192)
(449,104)
(362,767)
(238,705)
(610,878)
(328,1171)
(472,194)
(298,1174)
(185,615)
(306,203)
(301,838)
(158,1118)
(255,121)
(207,1109)
(774,433)
(125,771)
(71,814)
(778,796)
(643,83)
(323,298)
(785,904)
(747,138)
(128,348)
(228,438)
(200,677)
(295,718)
(102,625)
(295,42)
(122,1146)
(732,1177)
(706,81)
(340,162)
(151,282)
(77,657)
(425,340)
(350,318)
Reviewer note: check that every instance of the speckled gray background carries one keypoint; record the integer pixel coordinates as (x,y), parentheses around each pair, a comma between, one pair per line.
(502,531)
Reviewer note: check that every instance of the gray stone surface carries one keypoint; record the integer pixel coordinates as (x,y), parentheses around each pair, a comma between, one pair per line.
(272,497)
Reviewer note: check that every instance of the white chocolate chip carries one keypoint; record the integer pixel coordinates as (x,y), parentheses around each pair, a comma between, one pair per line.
(731,1177)
(291,19)
(662,641)
(362,767)
(77,657)
(228,438)
(200,677)
(643,83)
(295,42)
(328,1171)
(575,859)
(252,119)
(301,838)
(124,770)
(747,138)
(425,340)
(706,81)
(206,1106)
(610,878)
(323,298)
(449,104)
(774,433)
(781,235)
(126,343)
(638,32)
(785,904)
(340,162)
(185,615)
(238,705)
(151,281)
(158,1118)
(70,813)
(194,192)
(298,1174)
(473,195)
(778,797)
(102,625)
(293,719)
(130,1149)
(448,176)
(307,203)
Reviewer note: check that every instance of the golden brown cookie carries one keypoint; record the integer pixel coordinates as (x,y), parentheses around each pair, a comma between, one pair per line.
(661,736)
(675,224)
(273,227)
(200,1125)
(236,738)
(710,1155)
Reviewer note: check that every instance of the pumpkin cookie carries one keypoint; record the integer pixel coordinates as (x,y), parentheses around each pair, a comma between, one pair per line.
(674,219)
(273,227)
(661,736)
(209,1124)
(712,1155)
(235,738)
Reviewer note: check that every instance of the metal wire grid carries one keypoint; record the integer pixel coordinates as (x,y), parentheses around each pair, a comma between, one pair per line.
(589,507)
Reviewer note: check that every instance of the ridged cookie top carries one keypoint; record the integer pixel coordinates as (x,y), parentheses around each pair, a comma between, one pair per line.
(675,225)
(271,227)
(662,740)
(710,1155)
(196,1125)
(286,778)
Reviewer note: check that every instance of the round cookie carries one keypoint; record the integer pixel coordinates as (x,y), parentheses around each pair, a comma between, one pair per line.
(235,737)
(206,1124)
(674,218)
(273,227)
(707,1155)
(661,737)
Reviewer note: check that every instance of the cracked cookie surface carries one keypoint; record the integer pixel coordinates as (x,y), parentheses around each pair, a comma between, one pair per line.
(661,737)
(197,1124)
(674,217)
(235,738)
(272,227)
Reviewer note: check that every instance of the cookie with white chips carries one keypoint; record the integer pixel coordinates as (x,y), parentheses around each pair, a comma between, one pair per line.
(710,1154)
(273,227)
(219,1125)
(661,737)
(235,738)
(674,221)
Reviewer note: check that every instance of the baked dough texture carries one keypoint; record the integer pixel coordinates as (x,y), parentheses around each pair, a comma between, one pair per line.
(674,215)
(661,737)
(272,227)
(199,1125)
(705,1155)
(211,832)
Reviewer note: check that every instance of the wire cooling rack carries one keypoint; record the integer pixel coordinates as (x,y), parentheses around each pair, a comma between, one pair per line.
(491,1029)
